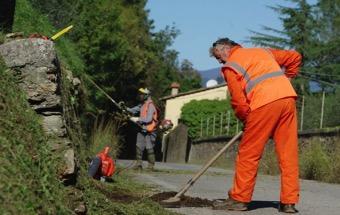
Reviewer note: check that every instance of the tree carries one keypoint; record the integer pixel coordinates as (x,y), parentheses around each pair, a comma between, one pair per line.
(298,32)
(120,49)
(114,46)
(189,77)
(60,12)
(313,30)
(7,8)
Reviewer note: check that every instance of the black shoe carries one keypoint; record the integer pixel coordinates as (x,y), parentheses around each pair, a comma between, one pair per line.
(230,204)
(287,208)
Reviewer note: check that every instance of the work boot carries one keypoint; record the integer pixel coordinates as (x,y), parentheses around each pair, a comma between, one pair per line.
(287,208)
(139,156)
(230,204)
(151,159)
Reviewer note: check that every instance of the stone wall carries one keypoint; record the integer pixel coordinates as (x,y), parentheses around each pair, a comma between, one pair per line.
(35,63)
(203,150)
(176,145)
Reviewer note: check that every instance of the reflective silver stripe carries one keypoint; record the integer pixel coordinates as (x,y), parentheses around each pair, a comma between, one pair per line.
(254,82)
(240,69)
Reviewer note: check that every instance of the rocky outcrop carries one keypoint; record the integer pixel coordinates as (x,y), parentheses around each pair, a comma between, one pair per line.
(35,63)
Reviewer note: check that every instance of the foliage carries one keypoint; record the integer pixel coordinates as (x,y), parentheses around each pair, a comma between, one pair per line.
(313,30)
(2,37)
(6,15)
(124,54)
(121,55)
(189,77)
(124,196)
(104,134)
(29,21)
(114,51)
(317,160)
(28,182)
(312,110)
(59,12)
(196,114)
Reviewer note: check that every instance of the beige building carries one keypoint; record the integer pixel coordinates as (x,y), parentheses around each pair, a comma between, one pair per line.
(175,102)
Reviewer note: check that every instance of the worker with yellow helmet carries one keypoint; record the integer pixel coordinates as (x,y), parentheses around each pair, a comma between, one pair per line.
(146,136)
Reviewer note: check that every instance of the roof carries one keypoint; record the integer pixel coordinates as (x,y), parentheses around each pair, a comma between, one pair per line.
(192,92)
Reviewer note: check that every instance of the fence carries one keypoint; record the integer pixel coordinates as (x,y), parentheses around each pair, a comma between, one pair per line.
(223,123)
(314,112)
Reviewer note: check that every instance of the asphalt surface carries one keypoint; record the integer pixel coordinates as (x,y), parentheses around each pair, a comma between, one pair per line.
(315,198)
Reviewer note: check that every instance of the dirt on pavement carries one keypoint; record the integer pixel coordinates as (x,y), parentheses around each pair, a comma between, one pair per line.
(186,201)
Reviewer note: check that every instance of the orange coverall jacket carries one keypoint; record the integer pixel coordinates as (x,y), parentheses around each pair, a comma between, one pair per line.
(107,164)
(264,99)
(288,60)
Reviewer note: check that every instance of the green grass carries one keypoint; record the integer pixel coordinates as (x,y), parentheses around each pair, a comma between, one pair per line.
(122,196)
(317,161)
(104,134)
(28,184)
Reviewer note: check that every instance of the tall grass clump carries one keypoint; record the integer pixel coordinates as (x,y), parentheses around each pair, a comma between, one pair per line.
(104,133)
(2,37)
(335,165)
(315,162)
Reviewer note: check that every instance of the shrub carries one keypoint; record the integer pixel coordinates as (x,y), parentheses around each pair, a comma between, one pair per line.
(315,162)
(195,115)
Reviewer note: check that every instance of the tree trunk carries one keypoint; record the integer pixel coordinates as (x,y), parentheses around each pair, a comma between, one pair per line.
(7,8)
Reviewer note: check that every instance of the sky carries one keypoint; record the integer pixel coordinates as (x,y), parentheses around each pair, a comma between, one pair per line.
(201,22)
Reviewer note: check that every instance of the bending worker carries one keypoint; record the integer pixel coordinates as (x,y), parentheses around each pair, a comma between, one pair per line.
(102,166)
(146,135)
(264,100)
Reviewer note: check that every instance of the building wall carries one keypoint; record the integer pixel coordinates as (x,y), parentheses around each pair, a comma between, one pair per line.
(174,105)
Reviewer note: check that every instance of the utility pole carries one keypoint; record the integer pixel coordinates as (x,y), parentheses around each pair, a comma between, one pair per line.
(302,112)
(322,108)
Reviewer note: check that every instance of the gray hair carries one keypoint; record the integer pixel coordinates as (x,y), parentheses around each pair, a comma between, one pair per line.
(220,43)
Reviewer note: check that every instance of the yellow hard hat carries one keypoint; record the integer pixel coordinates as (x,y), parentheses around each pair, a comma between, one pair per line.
(145,91)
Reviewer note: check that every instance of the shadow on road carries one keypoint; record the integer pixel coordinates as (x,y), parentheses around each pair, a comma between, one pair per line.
(262,204)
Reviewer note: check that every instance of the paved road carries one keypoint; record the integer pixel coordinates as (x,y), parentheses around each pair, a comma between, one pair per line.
(316,198)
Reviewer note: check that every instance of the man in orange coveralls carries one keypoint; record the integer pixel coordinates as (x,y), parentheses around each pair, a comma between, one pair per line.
(264,100)
(102,166)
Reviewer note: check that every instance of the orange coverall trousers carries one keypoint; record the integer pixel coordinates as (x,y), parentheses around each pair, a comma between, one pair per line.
(277,120)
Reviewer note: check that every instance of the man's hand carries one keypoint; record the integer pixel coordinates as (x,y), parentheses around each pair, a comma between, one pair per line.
(122,105)
(134,119)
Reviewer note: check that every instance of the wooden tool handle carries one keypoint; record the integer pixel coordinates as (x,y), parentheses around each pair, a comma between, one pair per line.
(211,161)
